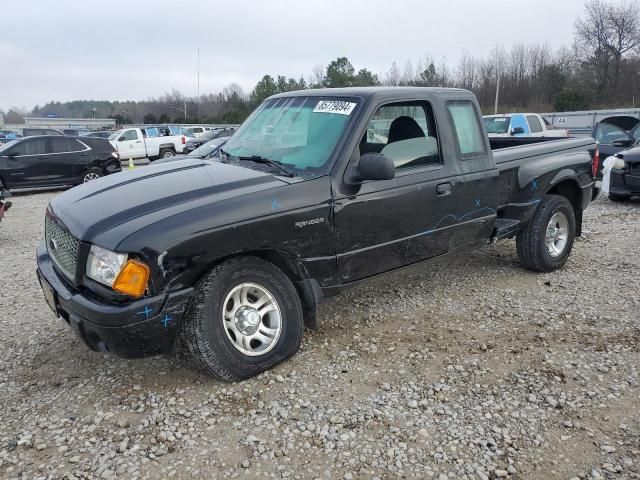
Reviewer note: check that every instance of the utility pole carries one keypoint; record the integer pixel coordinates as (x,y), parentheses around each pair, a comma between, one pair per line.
(198,98)
(495,107)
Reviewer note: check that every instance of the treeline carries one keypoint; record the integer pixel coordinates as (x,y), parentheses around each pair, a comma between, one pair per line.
(601,69)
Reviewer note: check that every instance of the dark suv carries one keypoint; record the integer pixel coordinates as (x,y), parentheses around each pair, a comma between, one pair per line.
(55,160)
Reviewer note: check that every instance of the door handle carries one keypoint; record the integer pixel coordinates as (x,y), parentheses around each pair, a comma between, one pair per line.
(443,189)
(139,141)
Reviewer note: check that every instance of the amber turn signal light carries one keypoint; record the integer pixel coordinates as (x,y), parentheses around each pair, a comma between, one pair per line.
(132,279)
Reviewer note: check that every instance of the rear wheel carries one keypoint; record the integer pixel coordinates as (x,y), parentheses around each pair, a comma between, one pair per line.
(546,242)
(618,198)
(246,317)
(91,174)
(167,153)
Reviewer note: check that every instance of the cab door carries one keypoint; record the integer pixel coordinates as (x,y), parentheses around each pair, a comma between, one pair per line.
(66,155)
(28,163)
(385,224)
(130,144)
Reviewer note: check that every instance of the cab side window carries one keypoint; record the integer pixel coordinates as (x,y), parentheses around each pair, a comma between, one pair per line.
(129,135)
(59,145)
(466,126)
(404,132)
(32,146)
(534,124)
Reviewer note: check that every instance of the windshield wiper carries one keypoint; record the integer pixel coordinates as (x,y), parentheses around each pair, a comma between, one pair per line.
(267,161)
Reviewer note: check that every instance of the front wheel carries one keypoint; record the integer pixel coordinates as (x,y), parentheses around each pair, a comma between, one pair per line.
(546,242)
(246,317)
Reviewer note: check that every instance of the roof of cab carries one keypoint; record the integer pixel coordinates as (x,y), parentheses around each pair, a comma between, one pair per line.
(366,92)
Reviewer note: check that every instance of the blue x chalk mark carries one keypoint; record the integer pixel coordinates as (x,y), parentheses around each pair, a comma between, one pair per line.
(275,205)
(477,202)
(534,185)
(145,312)
(166,321)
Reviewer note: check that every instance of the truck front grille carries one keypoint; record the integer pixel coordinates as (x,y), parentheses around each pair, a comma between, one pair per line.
(62,247)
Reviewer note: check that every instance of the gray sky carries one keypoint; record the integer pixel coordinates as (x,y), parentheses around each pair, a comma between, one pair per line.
(132,50)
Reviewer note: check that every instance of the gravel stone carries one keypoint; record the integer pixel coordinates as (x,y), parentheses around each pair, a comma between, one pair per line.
(469,368)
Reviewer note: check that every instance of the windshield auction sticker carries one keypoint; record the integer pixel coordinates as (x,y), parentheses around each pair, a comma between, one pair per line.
(334,106)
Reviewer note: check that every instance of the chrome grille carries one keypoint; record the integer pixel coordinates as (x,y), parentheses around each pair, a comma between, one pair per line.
(62,247)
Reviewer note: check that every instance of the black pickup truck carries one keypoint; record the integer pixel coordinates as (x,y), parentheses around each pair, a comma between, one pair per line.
(319,189)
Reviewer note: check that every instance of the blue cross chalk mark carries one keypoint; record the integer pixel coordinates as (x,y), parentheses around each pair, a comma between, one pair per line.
(477,202)
(145,312)
(275,205)
(534,185)
(166,321)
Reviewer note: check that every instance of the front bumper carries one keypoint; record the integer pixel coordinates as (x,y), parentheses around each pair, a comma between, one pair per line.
(137,329)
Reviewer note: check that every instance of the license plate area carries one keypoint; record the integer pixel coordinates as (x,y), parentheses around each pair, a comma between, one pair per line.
(49,296)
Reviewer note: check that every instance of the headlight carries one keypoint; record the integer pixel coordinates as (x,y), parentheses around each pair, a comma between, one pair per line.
(104,265)
(619,164)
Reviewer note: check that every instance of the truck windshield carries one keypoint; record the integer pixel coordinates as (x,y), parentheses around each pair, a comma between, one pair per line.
(298,132)
(497,124)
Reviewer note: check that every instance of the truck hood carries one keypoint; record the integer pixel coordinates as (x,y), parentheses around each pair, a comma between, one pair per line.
(132,199)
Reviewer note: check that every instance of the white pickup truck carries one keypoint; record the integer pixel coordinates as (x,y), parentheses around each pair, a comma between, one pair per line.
(132,143)
(521,125)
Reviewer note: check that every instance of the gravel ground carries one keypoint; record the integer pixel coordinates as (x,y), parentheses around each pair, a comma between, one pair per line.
(467,368)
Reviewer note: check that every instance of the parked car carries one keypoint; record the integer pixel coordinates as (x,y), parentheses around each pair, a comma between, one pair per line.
(211,149)
(99,134)
(30,132)
(46,161)
(193,143)
(132,143)
(195,132)
(232,257)
(518,124)
(8,135)
(76,132)
(624,179)
(615,134)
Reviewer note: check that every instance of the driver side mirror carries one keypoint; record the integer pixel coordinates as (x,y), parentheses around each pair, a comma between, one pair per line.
(517,131)
(375,166)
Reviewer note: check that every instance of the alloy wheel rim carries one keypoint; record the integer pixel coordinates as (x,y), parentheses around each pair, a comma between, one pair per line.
(252,319)
(167,154)
(557,234)
(90,176)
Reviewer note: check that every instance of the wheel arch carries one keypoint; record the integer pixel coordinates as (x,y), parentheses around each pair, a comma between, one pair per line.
(568,187)
(308,289)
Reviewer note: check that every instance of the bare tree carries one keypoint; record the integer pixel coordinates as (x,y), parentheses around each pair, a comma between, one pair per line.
(606,34)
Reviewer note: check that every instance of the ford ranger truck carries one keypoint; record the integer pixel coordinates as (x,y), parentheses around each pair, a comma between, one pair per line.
(227,260)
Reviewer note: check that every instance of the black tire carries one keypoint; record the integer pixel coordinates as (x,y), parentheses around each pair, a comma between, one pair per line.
(166,153)
(204,337)
(618,198)
(531,242)
(91,174)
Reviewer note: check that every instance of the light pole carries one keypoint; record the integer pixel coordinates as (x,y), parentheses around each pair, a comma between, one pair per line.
(198,96)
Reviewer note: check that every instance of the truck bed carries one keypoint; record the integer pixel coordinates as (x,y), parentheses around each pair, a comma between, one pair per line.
(525,164)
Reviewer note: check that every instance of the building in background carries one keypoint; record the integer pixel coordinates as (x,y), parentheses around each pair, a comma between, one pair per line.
(60,123)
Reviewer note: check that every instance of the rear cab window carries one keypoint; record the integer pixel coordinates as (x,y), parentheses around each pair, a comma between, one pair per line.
(469,137)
